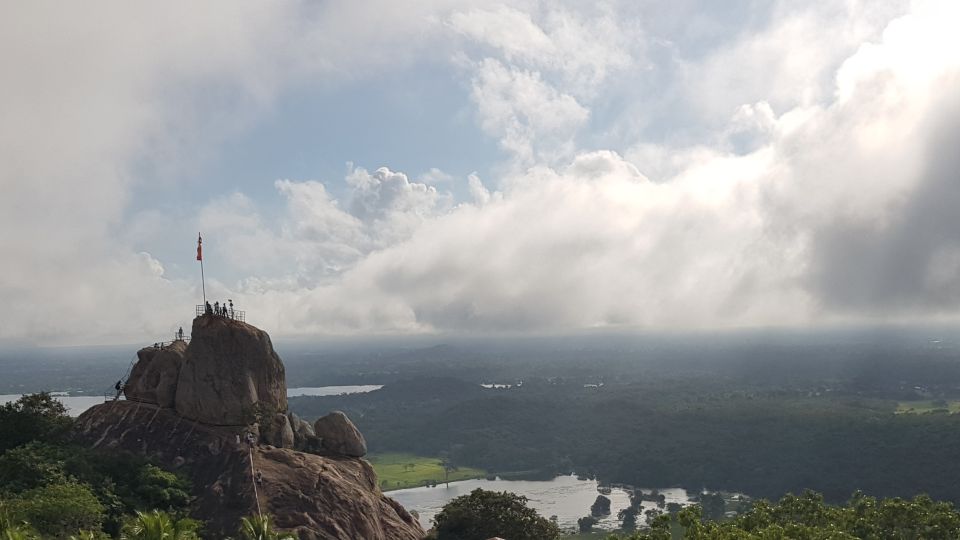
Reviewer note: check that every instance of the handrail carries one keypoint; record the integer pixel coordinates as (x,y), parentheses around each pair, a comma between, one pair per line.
(228,313)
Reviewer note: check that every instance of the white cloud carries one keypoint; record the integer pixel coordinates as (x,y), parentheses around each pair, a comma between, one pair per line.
(537,70)
(98,98)
(820,220)
(532,120)
(578,48)
(434,176)
(478,192)
(817,183)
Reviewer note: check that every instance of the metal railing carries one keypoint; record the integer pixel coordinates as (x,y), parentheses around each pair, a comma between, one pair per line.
(229,313)
(165,344)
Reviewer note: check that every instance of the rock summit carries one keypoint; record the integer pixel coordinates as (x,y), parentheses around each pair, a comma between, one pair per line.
(190,407)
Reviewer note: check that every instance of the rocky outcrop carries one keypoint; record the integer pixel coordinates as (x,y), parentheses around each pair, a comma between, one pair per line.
(303,433)
(277,431)
(153,379)
(338,435)
(230,375)
(191,407)
(317,497)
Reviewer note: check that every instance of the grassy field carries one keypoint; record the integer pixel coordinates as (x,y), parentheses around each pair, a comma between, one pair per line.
(922,407)
(399,471)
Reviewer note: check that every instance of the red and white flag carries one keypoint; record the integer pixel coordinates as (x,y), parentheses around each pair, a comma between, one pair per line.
(199,247)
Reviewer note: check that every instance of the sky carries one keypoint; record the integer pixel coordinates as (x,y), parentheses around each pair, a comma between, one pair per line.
(467,167)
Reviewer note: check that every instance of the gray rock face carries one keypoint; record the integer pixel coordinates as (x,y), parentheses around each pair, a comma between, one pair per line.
(278,432)
(153,378)
(302,431)
(230,374)
(339,436)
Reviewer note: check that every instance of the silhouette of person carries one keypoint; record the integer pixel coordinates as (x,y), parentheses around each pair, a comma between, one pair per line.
(216,308)
(118,387)
(208,308)
(231,308)
(180,333)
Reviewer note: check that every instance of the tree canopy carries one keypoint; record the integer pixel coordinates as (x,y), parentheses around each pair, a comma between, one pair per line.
(32,417)
(61,489)
(488,514)
(808,517)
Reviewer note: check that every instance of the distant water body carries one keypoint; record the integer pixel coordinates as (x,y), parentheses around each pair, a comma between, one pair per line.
(76,405)
(566,497)
(333,390)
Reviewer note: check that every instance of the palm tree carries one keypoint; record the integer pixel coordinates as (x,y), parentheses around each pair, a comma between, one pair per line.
(17,532)
(261,528)
(9,530)
(158,525)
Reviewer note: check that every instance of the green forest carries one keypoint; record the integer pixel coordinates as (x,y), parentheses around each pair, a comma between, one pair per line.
(878,422)
(763,420)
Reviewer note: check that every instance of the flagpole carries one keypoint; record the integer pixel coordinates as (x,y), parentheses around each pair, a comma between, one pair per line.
(203,281)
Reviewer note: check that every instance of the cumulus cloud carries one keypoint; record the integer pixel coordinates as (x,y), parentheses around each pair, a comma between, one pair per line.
(809,176)
(533,120)
(318,238)
(532,77)
(836,210)
(97,100)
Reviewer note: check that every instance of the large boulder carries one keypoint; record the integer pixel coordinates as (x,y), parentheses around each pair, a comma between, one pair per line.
(278,432)
(153,378)
(339,436)
(231,375)
(302,431)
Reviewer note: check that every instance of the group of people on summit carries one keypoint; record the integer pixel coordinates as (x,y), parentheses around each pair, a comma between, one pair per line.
(220,310)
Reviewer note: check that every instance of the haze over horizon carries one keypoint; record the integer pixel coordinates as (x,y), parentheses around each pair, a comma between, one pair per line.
(462,167)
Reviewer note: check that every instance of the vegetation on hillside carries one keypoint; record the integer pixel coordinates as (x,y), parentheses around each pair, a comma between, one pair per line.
(61,489)
(808,517)
(485,514)
(757,420)
(50,488)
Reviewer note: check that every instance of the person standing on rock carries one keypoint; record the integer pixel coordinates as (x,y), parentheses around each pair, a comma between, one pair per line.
(216,308)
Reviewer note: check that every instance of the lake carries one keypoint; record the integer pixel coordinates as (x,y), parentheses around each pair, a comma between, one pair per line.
(566,497)
(333,390)
(76,405)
